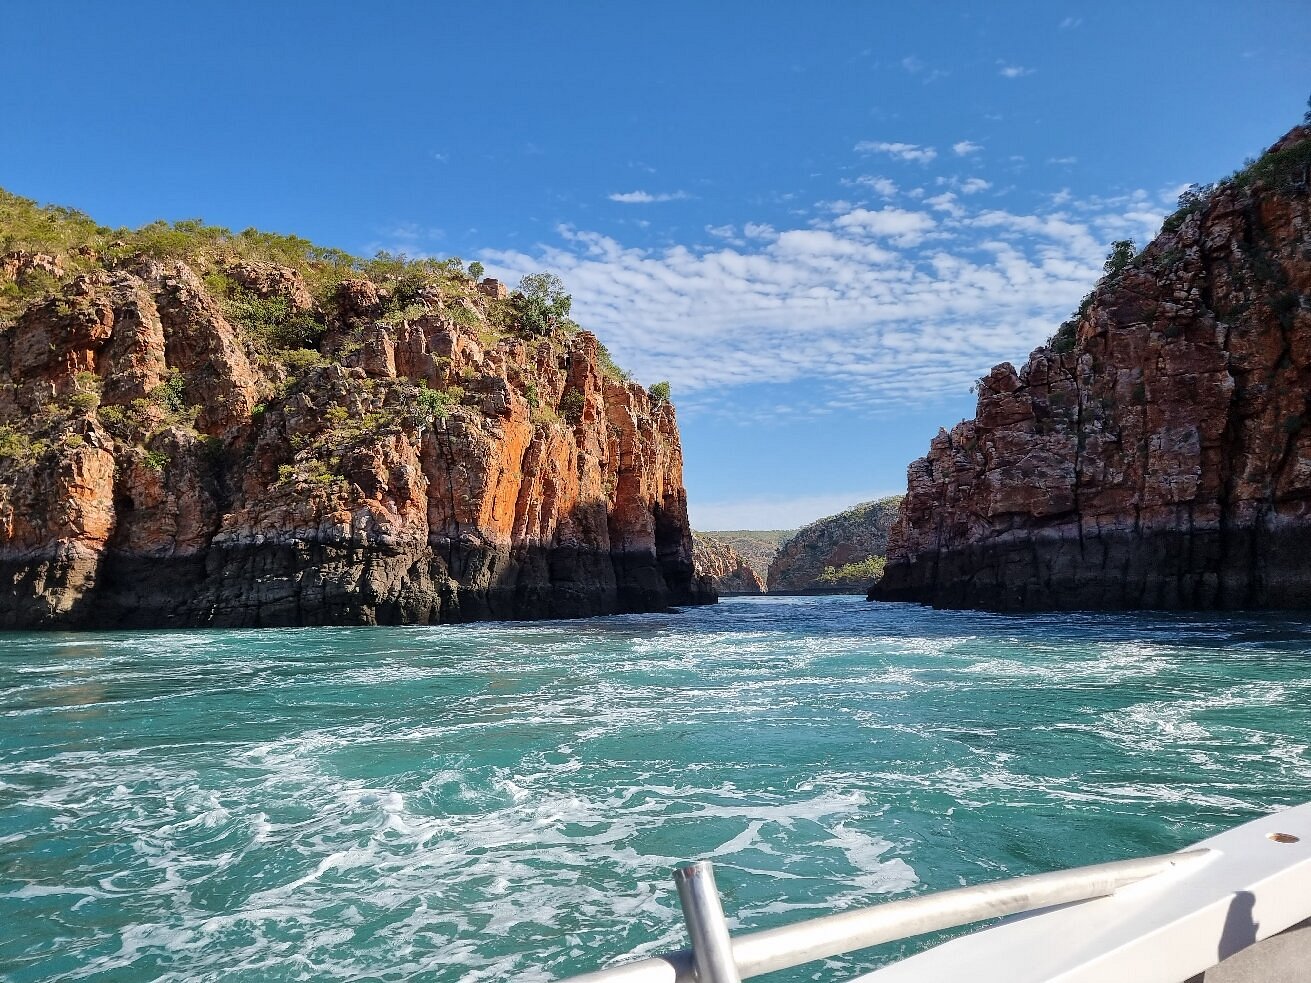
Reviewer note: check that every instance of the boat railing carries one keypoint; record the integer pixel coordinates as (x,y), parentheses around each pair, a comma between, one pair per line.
(716,956)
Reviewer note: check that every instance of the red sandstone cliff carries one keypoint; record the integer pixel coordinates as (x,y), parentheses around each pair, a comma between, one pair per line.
(1164,461)
(419,465)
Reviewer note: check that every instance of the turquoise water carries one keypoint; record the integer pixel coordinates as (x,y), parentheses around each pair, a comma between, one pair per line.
(506,801)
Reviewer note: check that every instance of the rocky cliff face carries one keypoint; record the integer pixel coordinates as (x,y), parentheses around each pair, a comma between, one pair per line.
(417,461)
(757,547)
(726,570)
(1164,461)
(843,540)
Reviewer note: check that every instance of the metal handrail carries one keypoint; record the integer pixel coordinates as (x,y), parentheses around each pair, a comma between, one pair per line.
(768,951)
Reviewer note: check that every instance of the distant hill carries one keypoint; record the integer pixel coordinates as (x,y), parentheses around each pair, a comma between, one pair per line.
(756,546)
(724,567)
(839,554)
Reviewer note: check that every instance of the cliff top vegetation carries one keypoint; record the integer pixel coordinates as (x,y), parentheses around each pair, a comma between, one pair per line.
(46,246)
(856,515)
(1283,168)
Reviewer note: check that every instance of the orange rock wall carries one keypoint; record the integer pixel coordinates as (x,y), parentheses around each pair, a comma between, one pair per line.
(545,489)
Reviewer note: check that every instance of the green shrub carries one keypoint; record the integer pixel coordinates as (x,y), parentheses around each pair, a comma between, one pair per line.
(83,402)
(314,472)
(1193,199)
(16,446)
(396,316)
(156,460)
(861,573)
(128,423)
(172,392)
(270,322)
(572,403)
(476,271)
(47,229)
(301,360)
(1062,342)
(541,304)
(36,285)
(434,404)
(607,364)
(1283,170)
(1121,255)
(659,393)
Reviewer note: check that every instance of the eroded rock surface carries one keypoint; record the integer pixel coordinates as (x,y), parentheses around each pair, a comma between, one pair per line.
(157,469)
(1165,461)
(726,570)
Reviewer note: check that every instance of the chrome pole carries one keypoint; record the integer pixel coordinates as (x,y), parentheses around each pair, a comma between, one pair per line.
(712,949)
(757,953)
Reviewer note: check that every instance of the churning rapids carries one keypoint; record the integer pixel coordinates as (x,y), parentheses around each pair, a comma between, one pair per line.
(506,801)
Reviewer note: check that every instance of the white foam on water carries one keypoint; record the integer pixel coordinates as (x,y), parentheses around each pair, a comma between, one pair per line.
(509,800)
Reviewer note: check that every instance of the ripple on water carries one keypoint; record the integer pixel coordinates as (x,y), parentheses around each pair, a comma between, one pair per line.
(479,802)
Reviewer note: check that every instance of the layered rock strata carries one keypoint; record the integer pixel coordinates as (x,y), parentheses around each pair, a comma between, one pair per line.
(1164,461)
(418,466)
(831,543)
(725,569)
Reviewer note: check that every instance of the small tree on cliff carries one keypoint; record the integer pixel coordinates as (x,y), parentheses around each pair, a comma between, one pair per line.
(542,304)
(1121,255)
(659,392)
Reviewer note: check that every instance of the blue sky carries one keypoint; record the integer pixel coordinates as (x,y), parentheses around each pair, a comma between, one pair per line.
(820,222)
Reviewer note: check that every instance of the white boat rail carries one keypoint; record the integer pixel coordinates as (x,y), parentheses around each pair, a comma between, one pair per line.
(717,957)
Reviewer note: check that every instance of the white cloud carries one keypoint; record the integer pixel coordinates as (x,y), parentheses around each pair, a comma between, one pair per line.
(774,512)
(903,227)
(1063,160)
(646,197)
(945,202)
(1070,23)
(965,148)
(1015,71)
(879,185)
(722,231)
(901,151)
(966,186)
(872,308)
(837,206)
